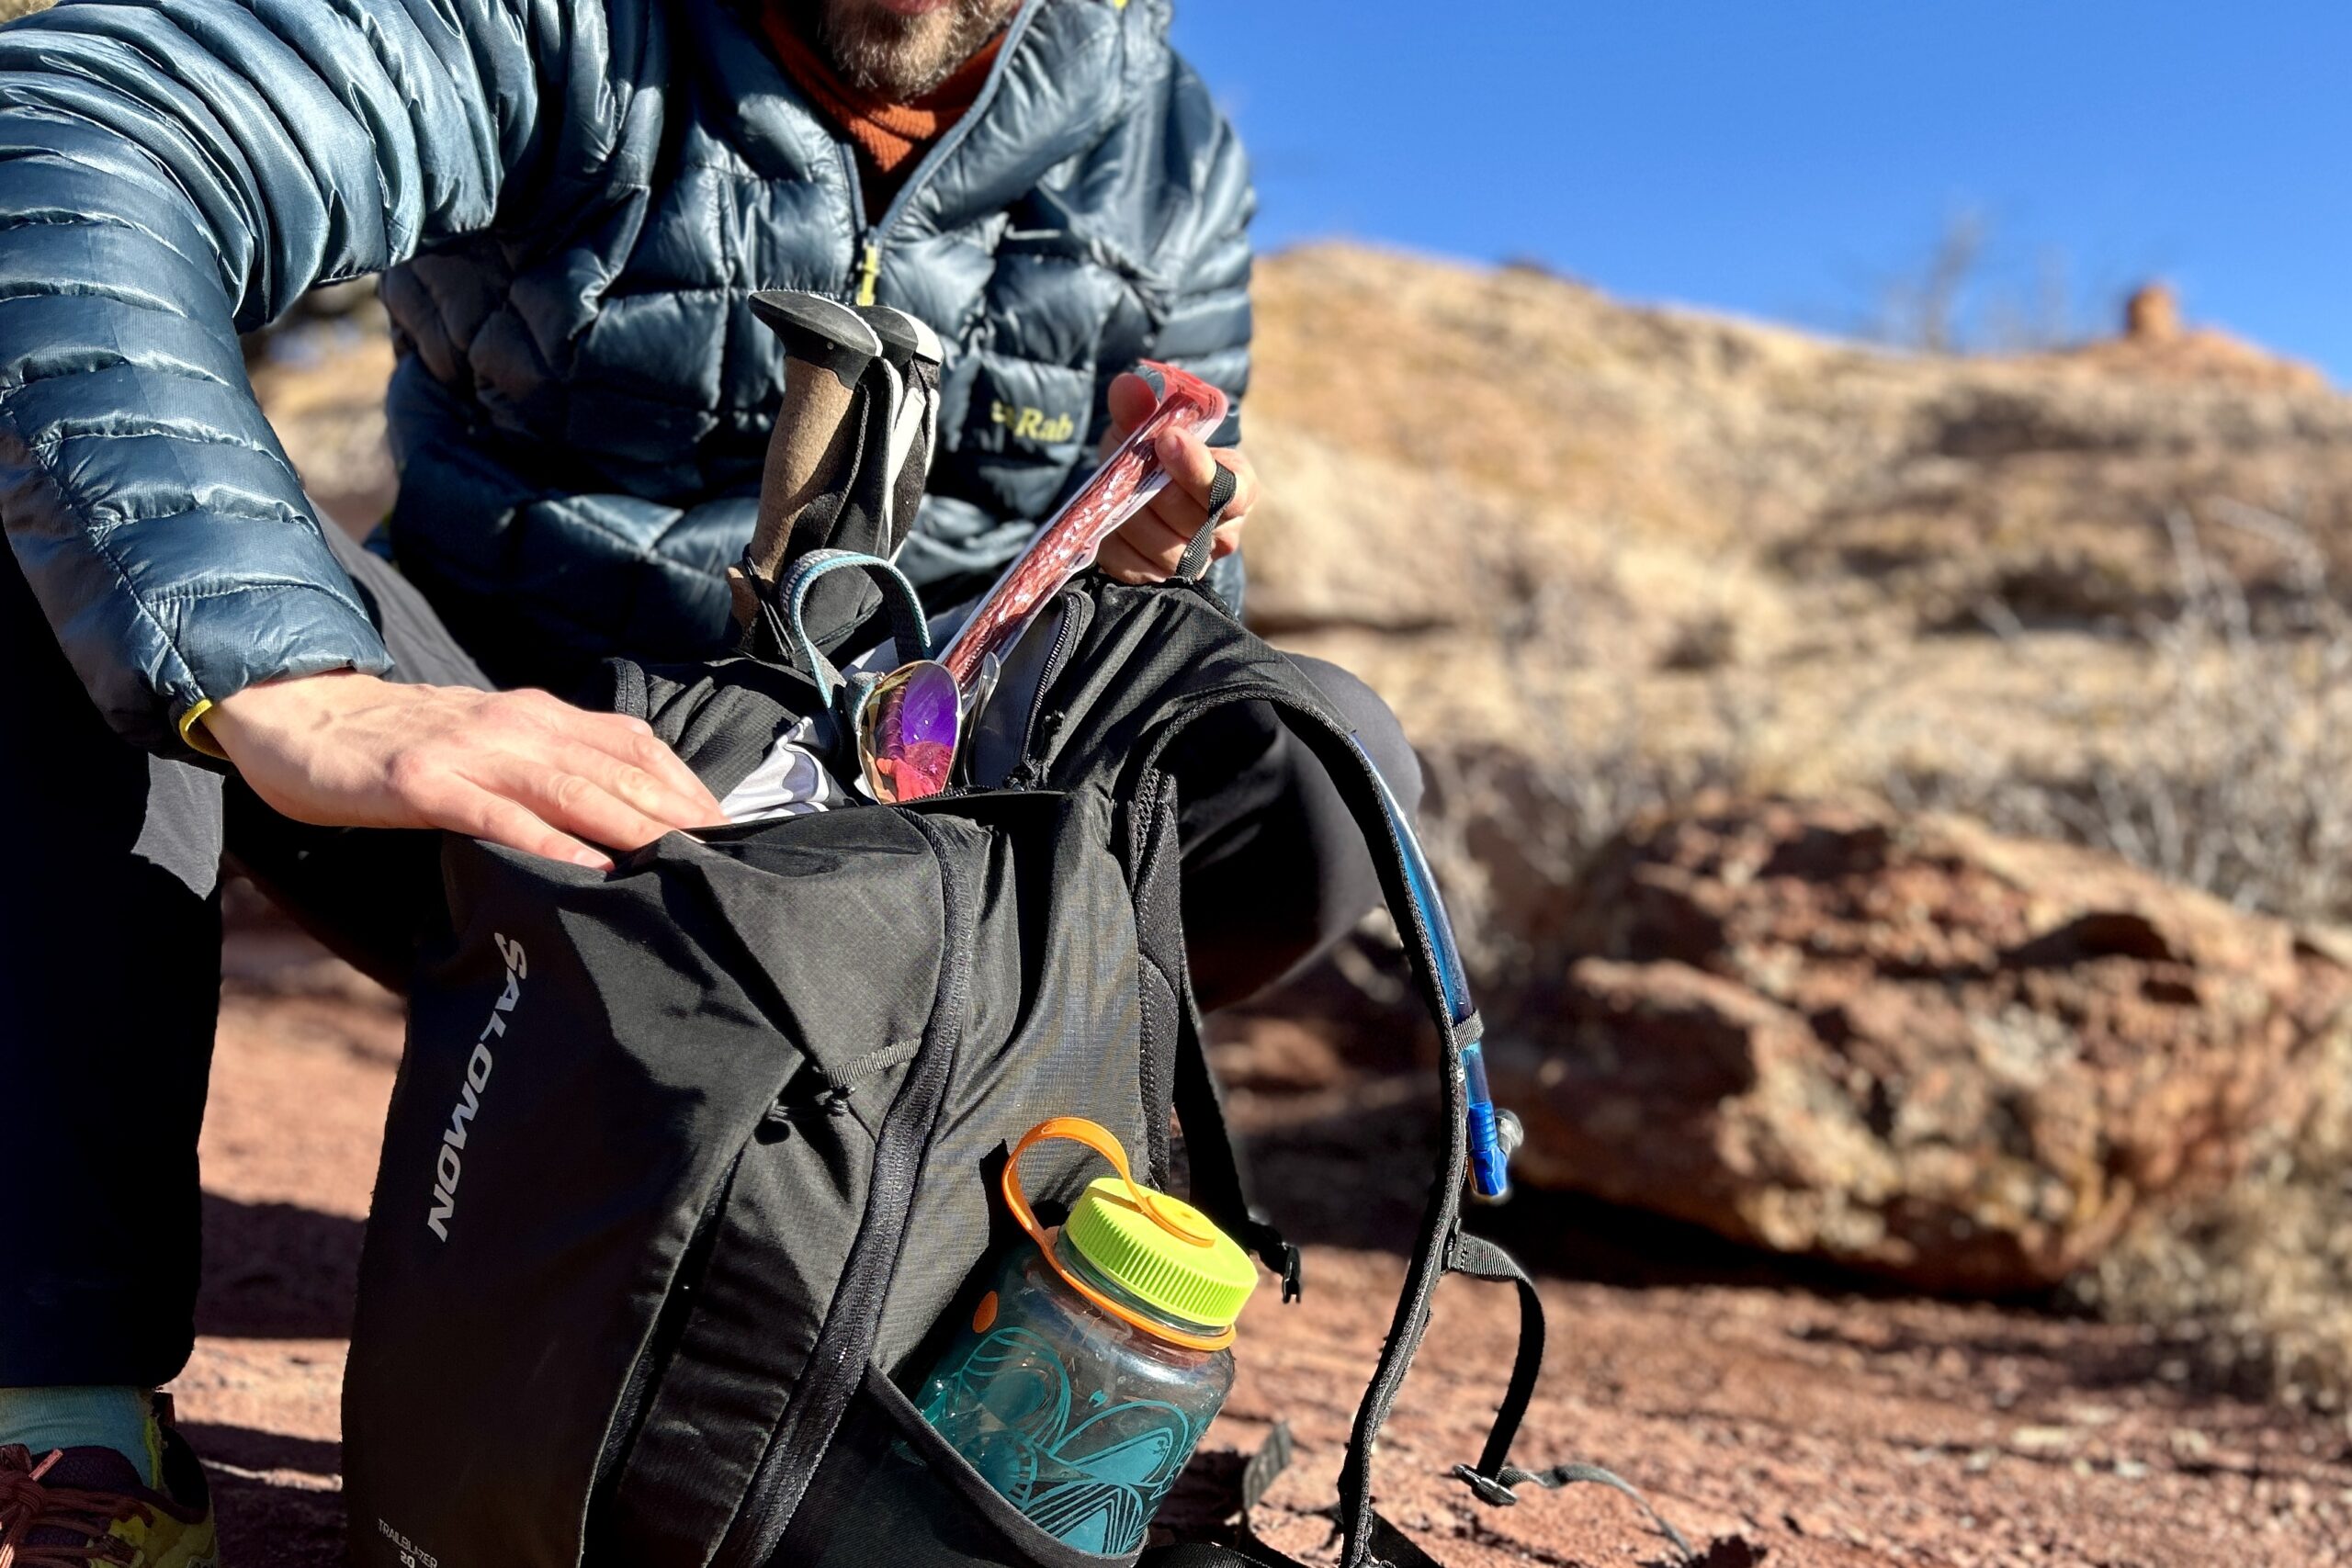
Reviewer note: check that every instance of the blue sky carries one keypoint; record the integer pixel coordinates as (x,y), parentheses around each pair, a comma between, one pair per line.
(1797,159)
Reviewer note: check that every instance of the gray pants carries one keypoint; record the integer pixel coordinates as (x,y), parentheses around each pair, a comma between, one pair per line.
(110,948)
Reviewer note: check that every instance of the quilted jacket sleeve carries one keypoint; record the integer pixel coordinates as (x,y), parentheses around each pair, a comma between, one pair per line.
(171,173)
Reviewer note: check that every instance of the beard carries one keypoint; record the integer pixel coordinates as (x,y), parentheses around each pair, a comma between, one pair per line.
(897,58)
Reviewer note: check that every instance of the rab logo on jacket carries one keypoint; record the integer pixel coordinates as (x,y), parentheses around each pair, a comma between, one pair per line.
(449,1162)
(1032,424)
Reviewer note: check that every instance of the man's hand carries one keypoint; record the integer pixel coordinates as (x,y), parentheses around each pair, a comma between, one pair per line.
(517,768)
(1153,541)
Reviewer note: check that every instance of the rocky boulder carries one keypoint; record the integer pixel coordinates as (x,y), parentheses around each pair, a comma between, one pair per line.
(1906,1044)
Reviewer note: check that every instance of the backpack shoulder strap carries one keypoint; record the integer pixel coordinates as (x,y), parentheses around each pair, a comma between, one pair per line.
(1412,902)
(1175,1058)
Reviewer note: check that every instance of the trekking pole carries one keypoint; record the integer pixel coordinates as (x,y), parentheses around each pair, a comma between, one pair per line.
(912,348)
(814,448)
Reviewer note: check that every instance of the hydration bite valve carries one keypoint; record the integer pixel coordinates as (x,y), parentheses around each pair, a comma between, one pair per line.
(1494,1134)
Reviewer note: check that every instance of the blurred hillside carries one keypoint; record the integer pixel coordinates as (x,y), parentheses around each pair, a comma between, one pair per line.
(1642,582)
(1679,522)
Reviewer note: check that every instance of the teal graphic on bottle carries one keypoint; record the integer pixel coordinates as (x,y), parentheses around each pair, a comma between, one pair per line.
(1098,1358)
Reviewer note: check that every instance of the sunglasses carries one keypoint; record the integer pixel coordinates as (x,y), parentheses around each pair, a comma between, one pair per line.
(911,723)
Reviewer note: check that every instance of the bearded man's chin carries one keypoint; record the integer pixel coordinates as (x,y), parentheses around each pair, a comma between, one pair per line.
(900,49)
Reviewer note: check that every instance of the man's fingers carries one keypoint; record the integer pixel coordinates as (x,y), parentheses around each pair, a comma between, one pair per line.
(1164,527)
(573,803)
(1172,512)
(643,771)
(648,752)
(624,780)
(631,743)
(1130,400)
(486,814)
(1245,482)
(578,804)
(1122,560)
(1189,464)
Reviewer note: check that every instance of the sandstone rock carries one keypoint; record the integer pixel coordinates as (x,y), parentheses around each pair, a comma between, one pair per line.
(1910,1046)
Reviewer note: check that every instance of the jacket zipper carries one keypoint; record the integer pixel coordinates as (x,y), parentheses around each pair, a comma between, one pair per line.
(836,1364)
(866,276)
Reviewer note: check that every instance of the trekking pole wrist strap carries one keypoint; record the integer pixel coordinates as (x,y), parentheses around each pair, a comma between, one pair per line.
(907,623)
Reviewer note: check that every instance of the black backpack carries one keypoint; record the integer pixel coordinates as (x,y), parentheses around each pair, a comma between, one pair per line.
(688,1165)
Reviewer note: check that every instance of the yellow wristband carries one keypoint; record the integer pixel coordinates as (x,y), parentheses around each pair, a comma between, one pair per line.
(193,732)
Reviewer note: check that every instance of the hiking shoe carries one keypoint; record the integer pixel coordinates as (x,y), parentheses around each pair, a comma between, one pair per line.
(80,1508)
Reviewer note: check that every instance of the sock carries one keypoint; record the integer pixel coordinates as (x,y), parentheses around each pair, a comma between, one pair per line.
(46,1418)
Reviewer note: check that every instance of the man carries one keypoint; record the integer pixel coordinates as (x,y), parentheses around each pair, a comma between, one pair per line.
(569,201)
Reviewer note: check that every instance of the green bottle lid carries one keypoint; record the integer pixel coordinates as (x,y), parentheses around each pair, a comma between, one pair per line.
(1201,1276)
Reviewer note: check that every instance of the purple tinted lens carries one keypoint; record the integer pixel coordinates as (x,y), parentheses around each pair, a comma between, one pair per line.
(908,733)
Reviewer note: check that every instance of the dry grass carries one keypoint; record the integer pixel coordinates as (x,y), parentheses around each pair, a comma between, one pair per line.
(2243,786)
(1508,829)
(2234,773)
(2254,1281)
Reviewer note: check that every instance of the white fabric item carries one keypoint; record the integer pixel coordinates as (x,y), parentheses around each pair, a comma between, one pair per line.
(789,782)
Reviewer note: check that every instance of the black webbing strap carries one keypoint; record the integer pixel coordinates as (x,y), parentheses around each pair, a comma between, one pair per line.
(1273,1456)
(1220,1186)
(1494,1477)
(1561,1476)
(1311,722)
(1350,774)
(1482,1260)
(1441,1247)
(1198,554)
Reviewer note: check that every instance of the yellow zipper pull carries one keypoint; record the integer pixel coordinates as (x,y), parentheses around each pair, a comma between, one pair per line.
(869,272)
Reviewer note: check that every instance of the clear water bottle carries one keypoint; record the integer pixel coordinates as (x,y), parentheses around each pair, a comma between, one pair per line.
(1099,1357)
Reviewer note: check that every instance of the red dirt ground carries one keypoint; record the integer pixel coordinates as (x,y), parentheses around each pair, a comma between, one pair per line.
(1800,1423)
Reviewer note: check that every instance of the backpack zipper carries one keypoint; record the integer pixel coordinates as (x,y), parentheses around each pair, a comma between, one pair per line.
(1031,773)
(836,1364)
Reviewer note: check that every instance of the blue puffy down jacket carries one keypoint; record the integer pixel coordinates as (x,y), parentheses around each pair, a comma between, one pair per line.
(569,201)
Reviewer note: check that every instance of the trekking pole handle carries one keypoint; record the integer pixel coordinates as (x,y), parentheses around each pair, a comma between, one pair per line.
(827,347)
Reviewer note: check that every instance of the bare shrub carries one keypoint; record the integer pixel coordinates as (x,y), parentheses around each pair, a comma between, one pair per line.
(1508,829)
(2229,769)
(1961,296)
(2235,775)
(2254,1281)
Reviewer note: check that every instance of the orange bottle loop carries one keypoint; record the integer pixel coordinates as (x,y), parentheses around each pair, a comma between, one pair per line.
(1095,1137)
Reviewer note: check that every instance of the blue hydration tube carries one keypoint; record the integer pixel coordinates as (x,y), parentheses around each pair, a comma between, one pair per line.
(1493,1134)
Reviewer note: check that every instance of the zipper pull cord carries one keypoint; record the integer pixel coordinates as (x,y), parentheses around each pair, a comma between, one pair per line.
(869,271)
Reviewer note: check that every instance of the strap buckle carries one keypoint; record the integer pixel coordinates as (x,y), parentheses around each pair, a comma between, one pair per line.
(1490,1490)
